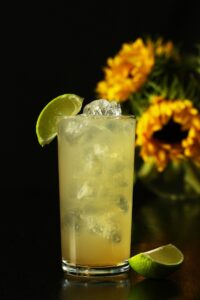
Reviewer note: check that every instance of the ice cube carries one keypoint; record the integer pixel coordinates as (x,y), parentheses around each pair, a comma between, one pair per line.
(113,126)
(73,131)
(93,157)
(103,226)
(122,203)
(115,236)
(85,191)
(72,219)
(95,226)
(103,107)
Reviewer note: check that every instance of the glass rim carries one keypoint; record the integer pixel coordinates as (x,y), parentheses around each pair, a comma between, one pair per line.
(128,116)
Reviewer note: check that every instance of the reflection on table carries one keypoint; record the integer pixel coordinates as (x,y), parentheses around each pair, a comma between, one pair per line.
(118,289)
(155,222)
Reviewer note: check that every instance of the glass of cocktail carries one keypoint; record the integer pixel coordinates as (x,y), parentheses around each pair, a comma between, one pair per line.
(96,169)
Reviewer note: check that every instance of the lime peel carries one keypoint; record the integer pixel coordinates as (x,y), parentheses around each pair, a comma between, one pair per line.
(56,109)
(157,263)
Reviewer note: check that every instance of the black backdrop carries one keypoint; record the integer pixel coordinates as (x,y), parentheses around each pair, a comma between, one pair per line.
(54,49)
(61,48)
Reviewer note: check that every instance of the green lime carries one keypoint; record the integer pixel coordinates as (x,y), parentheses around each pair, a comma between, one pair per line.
(56,109)
(157,263)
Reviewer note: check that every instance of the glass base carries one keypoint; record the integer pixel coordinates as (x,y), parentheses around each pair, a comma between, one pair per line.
(94,271)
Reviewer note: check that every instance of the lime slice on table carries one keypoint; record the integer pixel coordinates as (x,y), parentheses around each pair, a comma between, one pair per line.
(157,263)
(59,107)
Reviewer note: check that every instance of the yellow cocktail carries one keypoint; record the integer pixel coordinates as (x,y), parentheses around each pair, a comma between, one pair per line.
(96,161)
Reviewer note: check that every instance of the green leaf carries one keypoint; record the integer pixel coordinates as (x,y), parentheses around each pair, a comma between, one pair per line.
(192,176)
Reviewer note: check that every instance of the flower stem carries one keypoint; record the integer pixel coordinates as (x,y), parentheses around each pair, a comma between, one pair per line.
(192,176)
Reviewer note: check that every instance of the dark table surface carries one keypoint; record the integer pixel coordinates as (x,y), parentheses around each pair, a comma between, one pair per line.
(31,266)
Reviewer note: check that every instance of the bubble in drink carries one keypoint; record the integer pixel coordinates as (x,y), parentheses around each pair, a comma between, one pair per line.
(103,107)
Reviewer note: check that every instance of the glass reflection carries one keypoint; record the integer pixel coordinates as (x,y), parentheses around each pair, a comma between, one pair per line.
(121,288)
(117,288)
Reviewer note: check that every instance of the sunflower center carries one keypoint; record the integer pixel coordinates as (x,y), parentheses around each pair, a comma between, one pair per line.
(171,133)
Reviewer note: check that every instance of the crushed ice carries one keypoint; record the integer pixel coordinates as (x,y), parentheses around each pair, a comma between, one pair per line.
(103,107)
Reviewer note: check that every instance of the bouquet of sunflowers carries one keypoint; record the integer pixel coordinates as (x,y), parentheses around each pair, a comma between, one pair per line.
(160,84)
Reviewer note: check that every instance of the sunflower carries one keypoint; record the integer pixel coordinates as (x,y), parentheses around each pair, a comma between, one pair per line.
(127,71)
(163,48)
(169,130)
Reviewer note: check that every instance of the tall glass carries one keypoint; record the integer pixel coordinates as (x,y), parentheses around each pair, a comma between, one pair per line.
(96,162)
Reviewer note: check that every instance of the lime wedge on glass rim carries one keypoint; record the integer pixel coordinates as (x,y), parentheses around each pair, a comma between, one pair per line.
(157,263)
(56,109)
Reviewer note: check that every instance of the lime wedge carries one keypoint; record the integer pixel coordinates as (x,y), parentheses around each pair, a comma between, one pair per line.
(157,263)
(56,109)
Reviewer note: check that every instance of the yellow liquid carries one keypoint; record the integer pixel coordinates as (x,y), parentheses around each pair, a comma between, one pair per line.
(96,178)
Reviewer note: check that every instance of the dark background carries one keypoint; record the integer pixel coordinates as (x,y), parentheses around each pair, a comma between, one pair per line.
(62,48)
(54,49)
